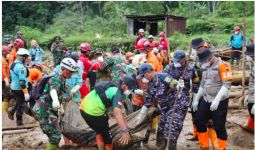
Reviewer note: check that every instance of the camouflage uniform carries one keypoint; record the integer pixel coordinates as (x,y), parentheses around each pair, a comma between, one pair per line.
(181,106)
(44,113)
(58,53)
(118,69)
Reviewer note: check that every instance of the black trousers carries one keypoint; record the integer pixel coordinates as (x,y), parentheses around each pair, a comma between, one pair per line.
(18,107)
(99,124)
(218,117)
(6,94)
(235,55)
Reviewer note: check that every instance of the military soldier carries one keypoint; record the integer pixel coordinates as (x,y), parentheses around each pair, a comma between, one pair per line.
(19,85)
(213,97)
(160,86)
(57,49)
(119,66)
(47,106)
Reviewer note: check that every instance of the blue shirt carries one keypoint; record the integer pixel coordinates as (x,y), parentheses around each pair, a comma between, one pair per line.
(38,53)
(236,40)
(18,73)
(76,79)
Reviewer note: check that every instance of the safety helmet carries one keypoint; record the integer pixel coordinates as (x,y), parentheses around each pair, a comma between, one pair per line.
(33,42)
(85,47)
(140,43)
(23,52)
(150,37)
(141,30)
(19,32)
(37,65)
(162,34)
(146,44)
(6,49)
(75,56)
(236,28)
(18,42)
(69,64)
(129,55)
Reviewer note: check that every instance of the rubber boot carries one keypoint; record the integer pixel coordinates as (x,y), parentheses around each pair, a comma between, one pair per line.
(161,141)
(100,142)
(213,137)
(52,146)
(249,127)
(203,140)
(155,122)
(5,105)
(222,144)
(108,147)
(10,112)
(172,145)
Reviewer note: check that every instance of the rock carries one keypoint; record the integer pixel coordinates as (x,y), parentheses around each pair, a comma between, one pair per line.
(242,139)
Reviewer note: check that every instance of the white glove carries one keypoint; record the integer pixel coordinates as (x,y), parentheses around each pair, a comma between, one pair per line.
(141,116)
(36,58)
(253,109)
(74,90)
(197,97)
(101,58)
(180,84)
(6,82)
(27,97)
(61,110)
(55,102)
(215,103)
(138,92)
(248,58)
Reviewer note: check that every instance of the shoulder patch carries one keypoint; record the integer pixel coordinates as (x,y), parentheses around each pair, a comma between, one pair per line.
(167,79)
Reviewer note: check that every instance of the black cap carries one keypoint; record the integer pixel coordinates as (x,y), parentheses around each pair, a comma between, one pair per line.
(196,43)
(204,54)
(250,50)
(115,50)
(130,82)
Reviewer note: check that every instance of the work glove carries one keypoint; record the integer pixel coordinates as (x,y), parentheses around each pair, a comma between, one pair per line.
(141,116)
(27,97)
(74,90)
(55,101)
(61,110)
(138,92)
(36,58)
(101,58)
(180,84)
(215,103)
(7,84)
(196,99)
(253,109)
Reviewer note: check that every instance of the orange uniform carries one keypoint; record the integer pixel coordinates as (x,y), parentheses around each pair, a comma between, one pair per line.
(34,75)
(5,69)
(153,60)
(12,56)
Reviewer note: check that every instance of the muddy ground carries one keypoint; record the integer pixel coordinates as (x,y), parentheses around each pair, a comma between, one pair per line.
(239,139)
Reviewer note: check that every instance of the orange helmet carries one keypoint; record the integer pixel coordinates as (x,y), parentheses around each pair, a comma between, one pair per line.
(129,55)
(85,47)
(6,49)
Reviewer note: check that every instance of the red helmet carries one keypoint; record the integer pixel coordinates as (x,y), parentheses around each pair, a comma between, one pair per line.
(19,43)
(85,47)
(140,44)
(236,28)
(162,34)
(37,65)
(6,49)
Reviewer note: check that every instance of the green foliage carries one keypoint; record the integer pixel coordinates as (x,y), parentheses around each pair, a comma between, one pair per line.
(199,26)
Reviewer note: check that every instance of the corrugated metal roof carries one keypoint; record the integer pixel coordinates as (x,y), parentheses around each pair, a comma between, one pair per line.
(154,17)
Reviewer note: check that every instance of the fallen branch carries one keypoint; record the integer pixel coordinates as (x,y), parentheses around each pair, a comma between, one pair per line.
(19,127)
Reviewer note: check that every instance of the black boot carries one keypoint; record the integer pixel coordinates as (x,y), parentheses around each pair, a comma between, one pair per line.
(161,141)
(20,123)
(172,145)
(10,112)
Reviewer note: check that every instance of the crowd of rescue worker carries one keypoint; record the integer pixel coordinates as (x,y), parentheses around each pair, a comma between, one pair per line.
(149,76)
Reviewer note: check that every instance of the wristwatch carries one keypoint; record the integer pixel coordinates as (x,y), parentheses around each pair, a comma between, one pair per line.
(125,130)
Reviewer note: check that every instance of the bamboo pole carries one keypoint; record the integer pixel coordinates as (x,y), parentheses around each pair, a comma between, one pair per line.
(243,55)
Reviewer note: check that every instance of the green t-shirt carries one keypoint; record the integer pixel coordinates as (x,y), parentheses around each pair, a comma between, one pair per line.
(94,106)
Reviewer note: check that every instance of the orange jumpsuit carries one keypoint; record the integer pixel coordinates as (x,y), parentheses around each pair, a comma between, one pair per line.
(12,56)
(153,60)
(5,69)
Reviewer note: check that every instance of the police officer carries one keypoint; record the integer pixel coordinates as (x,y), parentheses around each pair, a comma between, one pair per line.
(19,85)
(47,106)
(94,109)
(213,97)
(160,86)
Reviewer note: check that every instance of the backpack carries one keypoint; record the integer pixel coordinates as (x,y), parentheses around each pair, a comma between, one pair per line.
(101,87)
(37,90)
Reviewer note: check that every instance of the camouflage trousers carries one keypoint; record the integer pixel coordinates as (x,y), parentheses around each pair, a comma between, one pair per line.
(177,118)
(48,120)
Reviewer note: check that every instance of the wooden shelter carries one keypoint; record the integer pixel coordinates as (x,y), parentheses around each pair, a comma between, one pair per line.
(172,24)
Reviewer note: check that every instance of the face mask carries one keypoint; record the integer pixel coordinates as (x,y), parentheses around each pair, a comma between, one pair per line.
(144,80)
(205,65)
(177,65)
(236,32)
(127,93)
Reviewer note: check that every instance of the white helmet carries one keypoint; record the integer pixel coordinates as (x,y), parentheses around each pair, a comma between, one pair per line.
(141,30)
(23,52)
(69,64)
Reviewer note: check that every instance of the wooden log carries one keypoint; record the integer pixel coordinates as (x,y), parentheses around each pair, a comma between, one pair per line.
(20,127)
(14,131)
